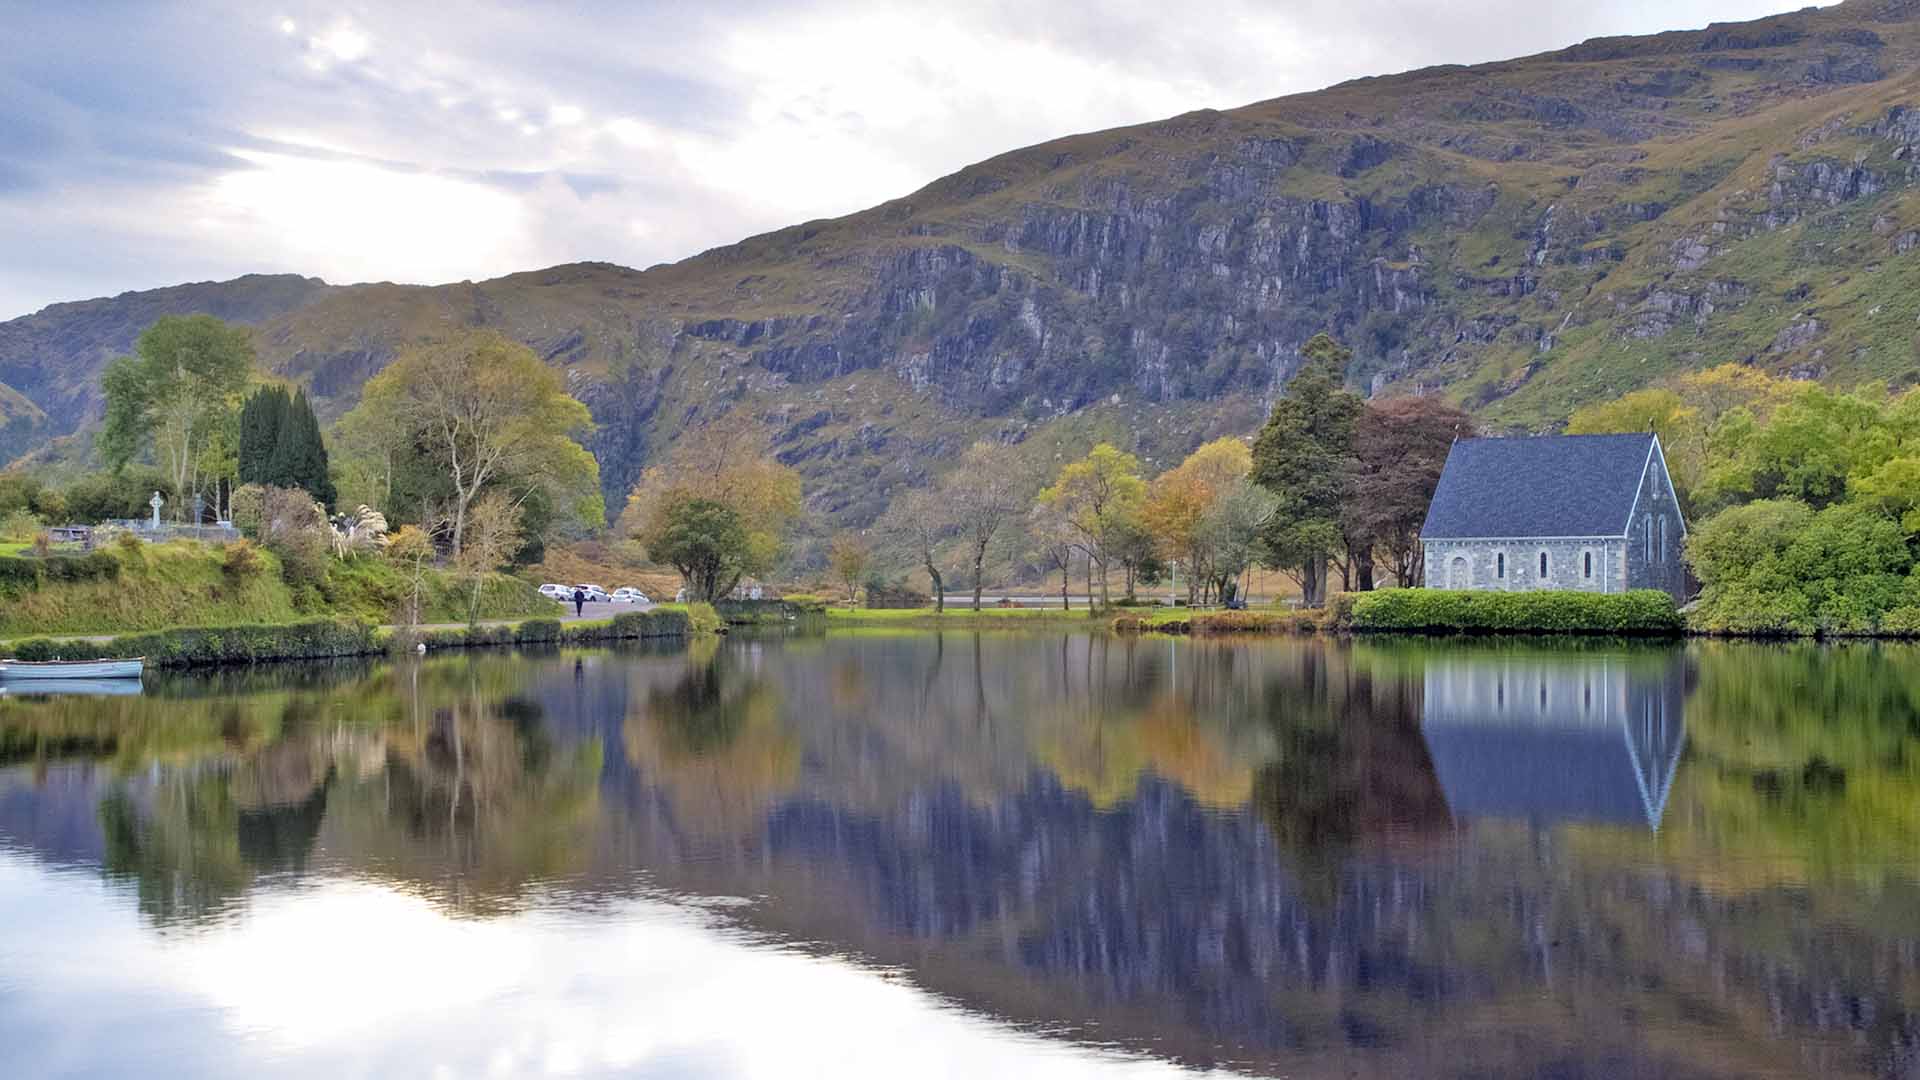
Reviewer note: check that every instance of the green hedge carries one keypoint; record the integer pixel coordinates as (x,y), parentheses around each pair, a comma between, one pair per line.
(320,639)
(630,626)
(329,638)
(24,573)
(1441,611)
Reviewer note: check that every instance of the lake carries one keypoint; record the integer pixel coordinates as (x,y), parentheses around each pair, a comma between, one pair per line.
(901,854)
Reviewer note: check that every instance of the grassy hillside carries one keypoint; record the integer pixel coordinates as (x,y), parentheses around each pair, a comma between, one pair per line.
(1522,236)
(187,584)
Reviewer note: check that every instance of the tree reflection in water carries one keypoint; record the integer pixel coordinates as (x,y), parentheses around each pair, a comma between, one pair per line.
(1396,857)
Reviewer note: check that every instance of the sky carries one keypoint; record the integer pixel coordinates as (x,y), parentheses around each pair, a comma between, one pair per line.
(150,143)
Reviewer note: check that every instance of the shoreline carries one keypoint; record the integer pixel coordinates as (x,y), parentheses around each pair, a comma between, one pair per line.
(332,639)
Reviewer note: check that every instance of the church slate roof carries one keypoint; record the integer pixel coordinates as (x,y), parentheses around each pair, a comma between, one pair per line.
(1544,486)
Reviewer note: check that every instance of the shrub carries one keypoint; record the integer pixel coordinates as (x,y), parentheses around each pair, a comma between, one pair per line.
(107,496)
(538,630)
(241,561)
(18,575)
(42,544)
(1340,610)
(703,619)
(1778,567)
(93,566)
(1431,611)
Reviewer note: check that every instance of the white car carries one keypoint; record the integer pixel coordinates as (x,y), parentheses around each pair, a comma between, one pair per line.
(595,594)
(556,592)
(629,595)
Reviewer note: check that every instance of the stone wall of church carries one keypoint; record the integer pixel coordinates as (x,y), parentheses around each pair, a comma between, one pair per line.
(1595,565)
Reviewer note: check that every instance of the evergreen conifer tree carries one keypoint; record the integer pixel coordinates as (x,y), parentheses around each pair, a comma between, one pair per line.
(260,420)
(299,458)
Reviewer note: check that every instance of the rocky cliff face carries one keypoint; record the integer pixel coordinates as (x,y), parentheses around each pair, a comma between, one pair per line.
(1523,236)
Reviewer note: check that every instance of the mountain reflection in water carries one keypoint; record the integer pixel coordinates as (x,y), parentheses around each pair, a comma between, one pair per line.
(971,855)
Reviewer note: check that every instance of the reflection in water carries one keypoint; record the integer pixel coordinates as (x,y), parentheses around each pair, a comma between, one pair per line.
(1556,738)
(1243,853)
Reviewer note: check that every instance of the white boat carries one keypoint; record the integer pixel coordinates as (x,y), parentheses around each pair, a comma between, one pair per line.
(24,687)
(72,669)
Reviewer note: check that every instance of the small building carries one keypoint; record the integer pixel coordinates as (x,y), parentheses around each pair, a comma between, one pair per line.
(1594,513)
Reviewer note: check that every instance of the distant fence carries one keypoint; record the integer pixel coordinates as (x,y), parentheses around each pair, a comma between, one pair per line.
(218,533)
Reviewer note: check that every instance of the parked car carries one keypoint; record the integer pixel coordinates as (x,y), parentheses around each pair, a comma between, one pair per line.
(681,596)
(595,594)
(629,595)
(556,592)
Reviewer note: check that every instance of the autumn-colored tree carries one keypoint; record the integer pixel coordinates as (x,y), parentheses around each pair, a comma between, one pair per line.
(727,462)
(412,549)
(488,413)
(1097,497)
(1399,447)
(848,556)
(1179,499)
(1303,457)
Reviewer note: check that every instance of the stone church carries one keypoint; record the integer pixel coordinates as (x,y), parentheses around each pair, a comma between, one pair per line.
(1594,513)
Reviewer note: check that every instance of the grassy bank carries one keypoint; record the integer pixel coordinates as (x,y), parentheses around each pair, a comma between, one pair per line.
(184,583)
(906,618)
(325,639)
(1201,623)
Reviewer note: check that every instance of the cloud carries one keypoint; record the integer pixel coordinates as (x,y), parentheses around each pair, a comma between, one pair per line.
(147,144)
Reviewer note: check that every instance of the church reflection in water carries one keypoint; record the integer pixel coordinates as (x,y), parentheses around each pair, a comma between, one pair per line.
(1556,739)
(1283,854)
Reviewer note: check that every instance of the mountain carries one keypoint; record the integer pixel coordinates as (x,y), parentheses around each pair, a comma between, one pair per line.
(1523,236)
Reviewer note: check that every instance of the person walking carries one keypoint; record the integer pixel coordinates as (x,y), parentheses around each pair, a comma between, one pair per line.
(579,600)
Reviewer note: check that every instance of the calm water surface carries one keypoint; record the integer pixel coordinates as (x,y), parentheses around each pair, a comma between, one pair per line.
(974,856)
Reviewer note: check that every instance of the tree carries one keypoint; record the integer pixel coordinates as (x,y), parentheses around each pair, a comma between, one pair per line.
(728,461)
(184,377)
(493,535)
(1180,498)
(920,521)
(1400,446)
(704,539)
(1807,448)
(412,548)
(1053,544)
(1302,456)
(375,446)
(848,556)
(1099,497)
(1232,528)
(487,412)
(261,419)
(299,457)
(984,491)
